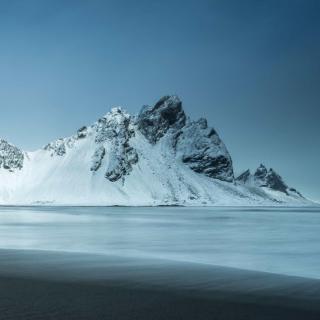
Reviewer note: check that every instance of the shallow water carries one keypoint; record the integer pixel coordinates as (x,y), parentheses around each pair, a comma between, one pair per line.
(279,240)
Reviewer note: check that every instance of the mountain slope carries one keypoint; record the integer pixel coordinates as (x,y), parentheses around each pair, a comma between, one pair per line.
(158,157)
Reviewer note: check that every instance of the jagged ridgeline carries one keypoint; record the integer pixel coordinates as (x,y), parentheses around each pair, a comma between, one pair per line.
(267,179)
(157,157)
(193,143)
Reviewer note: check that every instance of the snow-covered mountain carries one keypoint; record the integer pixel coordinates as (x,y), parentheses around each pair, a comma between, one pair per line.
(159,157)
(269,179)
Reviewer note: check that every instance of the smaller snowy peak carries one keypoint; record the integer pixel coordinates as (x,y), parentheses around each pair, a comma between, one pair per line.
(11,157)
(270,179)
(154,122)
(266,178)
(261,173)
(200,148)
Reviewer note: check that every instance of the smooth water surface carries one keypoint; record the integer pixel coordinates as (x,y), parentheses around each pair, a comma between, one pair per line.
(279,240)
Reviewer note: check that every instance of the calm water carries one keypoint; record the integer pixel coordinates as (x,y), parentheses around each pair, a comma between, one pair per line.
(282,240)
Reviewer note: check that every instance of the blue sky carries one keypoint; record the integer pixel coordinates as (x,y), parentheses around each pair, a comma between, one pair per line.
(251,67)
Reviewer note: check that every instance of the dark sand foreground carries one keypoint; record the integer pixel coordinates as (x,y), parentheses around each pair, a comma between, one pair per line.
(49,285)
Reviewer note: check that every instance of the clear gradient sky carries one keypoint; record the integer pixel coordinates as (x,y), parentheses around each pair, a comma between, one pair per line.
(251,67)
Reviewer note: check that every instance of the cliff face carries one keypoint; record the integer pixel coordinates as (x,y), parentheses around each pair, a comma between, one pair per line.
(196,145)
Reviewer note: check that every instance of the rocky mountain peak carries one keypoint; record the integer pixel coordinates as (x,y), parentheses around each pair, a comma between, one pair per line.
(267,178)
(116,130)
(261,173)
(198,146)
(154,122)
(11,157)
(114,123)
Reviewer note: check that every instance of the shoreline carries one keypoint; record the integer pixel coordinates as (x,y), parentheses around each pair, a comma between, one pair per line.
(57,285)
(315,205)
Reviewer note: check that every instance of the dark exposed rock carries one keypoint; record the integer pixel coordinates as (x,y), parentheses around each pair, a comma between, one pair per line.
(295,191)
(275,181)
(115,125)
(202,150)
(270,179)
(175,139)
(115,174)
(244,177)
(121,165)
(97,158)
(82,132)
(115,128)
(57,147)
(155,121)
(214,167)
(11,157)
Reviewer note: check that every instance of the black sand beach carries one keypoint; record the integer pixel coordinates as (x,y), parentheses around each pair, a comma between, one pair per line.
(52,285)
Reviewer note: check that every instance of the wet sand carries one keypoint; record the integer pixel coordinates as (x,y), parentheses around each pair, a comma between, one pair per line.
(55,285)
